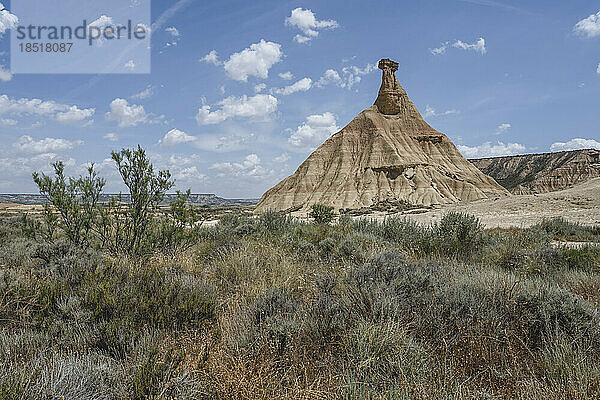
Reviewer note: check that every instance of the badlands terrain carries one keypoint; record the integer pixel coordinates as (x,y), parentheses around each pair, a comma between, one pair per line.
(581,204)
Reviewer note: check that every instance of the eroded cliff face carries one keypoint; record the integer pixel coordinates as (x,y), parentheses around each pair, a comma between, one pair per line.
(387,153)
(541,173)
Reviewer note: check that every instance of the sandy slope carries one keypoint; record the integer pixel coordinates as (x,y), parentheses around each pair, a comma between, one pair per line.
(580,203)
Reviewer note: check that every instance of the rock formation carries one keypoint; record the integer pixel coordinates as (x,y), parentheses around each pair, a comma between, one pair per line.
(388,153)
(540,173)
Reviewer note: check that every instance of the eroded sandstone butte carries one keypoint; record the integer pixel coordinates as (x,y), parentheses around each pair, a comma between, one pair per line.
(387,153)
(541,173)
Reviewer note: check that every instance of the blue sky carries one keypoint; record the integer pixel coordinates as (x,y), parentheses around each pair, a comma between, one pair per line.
(241,92)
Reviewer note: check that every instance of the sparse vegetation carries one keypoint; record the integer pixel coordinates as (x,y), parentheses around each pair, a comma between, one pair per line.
(271,307)
(561,229)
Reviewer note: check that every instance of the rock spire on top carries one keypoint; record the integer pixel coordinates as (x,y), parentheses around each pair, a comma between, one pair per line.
(390,94)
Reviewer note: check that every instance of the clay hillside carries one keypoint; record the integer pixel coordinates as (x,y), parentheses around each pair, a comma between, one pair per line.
(388,153)
(541,173)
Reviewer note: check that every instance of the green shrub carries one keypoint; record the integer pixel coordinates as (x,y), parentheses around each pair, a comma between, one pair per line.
(545,314)
(124,228)
(305,247)
(112,303)
(270,304)
(134,227)
(11,388)
(356,309)
(71,376)
(30,227)
(10,227)
(322,214)
(76,200)
(388,286)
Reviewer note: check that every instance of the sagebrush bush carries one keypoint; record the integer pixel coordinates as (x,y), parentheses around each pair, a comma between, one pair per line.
(273,222)
(17,252)
(384,361)
(457,233)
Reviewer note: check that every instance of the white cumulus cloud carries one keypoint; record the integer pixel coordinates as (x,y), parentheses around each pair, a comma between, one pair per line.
(74,114)
(308,24)
(575,144)
(96,27)
(330,76)
(314,131)
(492,150)
(478,46)
(187,174)
(126,115)
(349,77)
(302,85)
(255,60)
(222,143)
(27,144)
(62,113)
(102,22)
(258,106)
(589,26)
(8,121)
(7,20)
(175,137)
(286,75)
(249,167)
(24,165)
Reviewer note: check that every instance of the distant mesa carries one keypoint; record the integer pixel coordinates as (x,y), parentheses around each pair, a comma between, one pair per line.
(199,199)
(541,173)
(387,154)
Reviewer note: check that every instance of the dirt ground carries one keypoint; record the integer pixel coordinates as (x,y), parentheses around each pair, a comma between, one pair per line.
(580,203)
